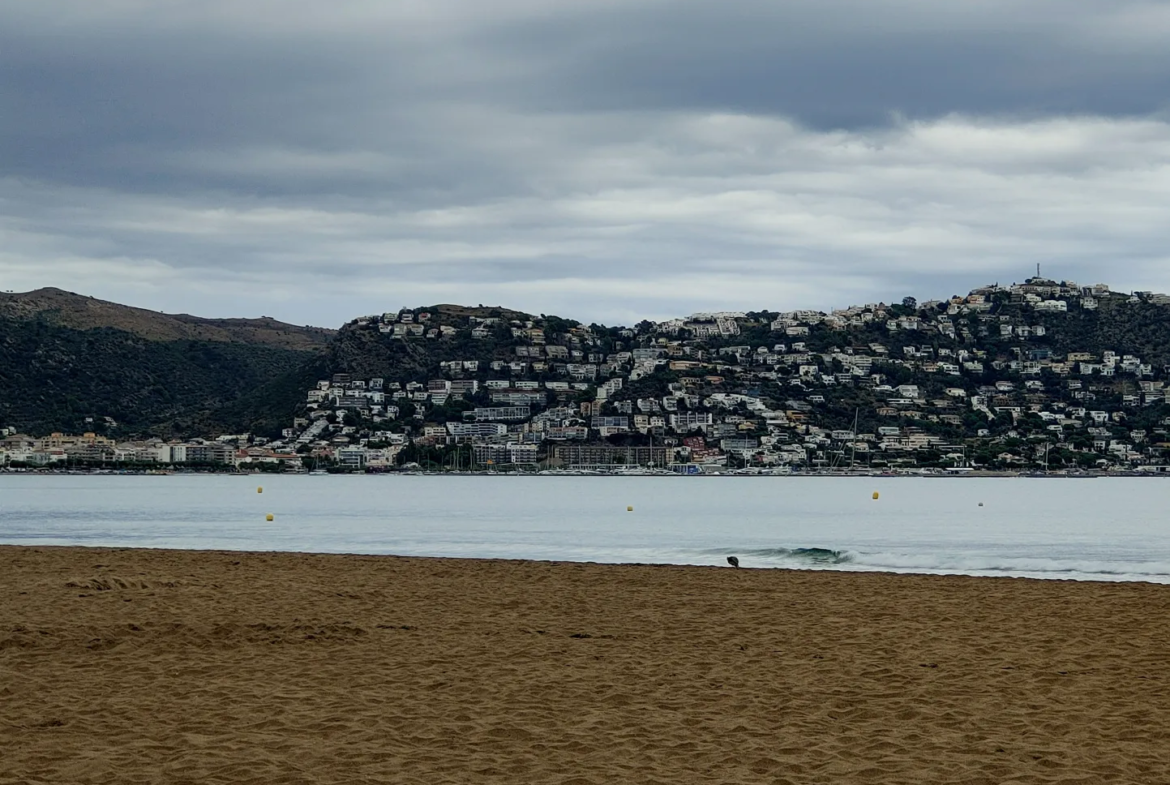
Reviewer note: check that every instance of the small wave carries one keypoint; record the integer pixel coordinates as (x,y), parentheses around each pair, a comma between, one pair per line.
(953,564)
(819,556)
(1018,565)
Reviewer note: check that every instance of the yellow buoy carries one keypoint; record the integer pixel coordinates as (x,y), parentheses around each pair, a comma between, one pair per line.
(260,489)
(269,517)
(875,494)
(630,509)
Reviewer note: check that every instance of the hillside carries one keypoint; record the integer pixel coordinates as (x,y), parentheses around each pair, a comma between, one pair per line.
(1035,374)
(77,312)
(1007,376)
(360,349)
(72,363)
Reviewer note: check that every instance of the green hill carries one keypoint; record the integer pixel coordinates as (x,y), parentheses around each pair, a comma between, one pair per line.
(72,363)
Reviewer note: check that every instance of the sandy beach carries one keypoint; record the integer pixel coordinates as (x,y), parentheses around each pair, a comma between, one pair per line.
(151,666)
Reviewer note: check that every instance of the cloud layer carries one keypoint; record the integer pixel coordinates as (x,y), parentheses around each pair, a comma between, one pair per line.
(603,160)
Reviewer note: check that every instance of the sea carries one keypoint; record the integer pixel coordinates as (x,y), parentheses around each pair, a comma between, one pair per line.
(1102,529)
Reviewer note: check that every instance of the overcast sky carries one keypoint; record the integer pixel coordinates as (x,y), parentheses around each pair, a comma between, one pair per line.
(606,160)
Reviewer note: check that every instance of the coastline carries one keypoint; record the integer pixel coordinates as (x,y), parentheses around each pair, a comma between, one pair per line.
(595,473)
(139,665)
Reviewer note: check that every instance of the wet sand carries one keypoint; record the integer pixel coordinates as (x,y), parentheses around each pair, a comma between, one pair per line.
(150,666)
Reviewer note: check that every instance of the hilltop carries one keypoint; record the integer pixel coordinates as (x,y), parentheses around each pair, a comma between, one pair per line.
(78,312)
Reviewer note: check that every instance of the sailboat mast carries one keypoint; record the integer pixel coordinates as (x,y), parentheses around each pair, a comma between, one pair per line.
(853,443)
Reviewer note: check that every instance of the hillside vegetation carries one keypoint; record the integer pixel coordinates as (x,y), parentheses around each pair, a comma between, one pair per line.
(71,363)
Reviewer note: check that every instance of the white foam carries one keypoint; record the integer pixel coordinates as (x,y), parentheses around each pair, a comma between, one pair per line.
(1018,566)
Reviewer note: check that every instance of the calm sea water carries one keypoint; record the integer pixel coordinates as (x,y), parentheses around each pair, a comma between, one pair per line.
(1087,529)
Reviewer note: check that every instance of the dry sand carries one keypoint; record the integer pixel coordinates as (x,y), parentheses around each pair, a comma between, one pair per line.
(127,666)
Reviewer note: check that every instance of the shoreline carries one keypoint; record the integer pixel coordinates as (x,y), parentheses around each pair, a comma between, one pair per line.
(140,665)
(745,557)
(591,473)
(747,567)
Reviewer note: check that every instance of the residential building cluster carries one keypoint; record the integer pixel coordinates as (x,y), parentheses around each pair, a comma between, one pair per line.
(582,397)
(92,449)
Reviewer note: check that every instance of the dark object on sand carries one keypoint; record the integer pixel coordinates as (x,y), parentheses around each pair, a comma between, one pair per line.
(734,562)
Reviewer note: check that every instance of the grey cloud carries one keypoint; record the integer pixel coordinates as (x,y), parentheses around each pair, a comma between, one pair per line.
(604,158)
(372,80)
(811,218)
(848,64)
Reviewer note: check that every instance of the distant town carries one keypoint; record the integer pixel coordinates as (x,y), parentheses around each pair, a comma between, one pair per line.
(992,381)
